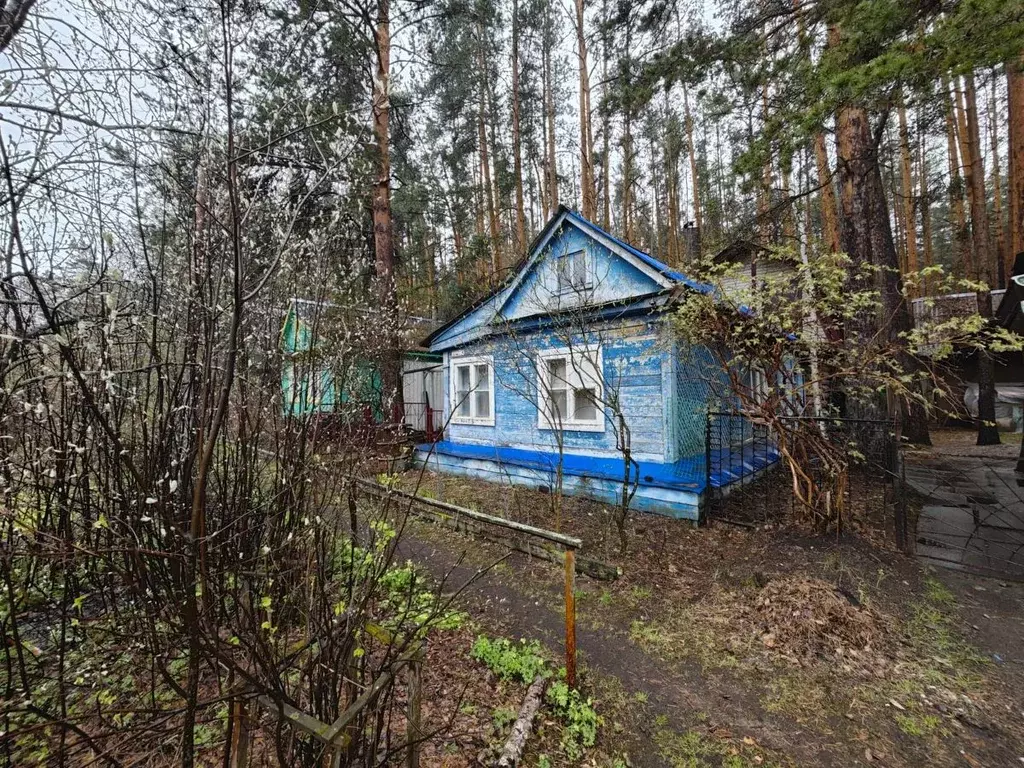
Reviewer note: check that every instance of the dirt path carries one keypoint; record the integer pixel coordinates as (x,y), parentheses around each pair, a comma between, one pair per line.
(680,693)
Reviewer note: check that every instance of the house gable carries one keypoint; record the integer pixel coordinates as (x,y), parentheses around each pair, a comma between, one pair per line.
(552,280)
(573,267)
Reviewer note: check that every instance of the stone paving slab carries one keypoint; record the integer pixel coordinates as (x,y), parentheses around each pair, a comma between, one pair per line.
(975,516)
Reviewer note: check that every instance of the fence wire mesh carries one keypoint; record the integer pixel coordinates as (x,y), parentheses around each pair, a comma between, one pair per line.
(749,482)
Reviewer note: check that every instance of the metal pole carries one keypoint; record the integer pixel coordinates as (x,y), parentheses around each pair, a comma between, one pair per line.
(570,617)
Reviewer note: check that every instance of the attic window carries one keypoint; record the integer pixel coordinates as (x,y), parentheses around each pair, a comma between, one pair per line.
(573,274)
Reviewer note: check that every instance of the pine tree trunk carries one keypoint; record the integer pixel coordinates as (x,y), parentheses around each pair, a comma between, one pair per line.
(1015,184)
(498,205)
(384,248)
(866,236)
(827,195)
(485,164)
(926,207)
(788,218)
(589,192)
(1015,179)
(671,193)
(606,125)
(764,200)
(907,195)
(988,434)
(1002,263)
(549,110)
(478,193)
(517,151)
(658,222)
(627,175)
(692,150)
(430,270)
(967,161)
(899,227)
(958,220)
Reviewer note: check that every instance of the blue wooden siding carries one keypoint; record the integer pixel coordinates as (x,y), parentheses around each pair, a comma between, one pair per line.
(664,391)
(636,364)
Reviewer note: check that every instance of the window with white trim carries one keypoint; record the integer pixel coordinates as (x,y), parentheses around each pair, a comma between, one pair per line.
(573,273)
(570,387)
(472,391)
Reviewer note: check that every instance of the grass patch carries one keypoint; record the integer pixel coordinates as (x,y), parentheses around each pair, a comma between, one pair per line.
(918,725)
(681,637)
(692,749)
(802,697)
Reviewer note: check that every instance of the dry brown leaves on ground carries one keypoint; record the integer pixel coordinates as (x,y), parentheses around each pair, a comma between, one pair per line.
(802,620)
(809,617)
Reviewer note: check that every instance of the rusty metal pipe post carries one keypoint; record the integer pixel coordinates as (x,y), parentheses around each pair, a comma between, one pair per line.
(570,617)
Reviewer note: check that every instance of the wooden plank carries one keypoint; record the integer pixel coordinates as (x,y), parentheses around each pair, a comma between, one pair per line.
(306,723)
(414,731)
(569,542)
(593,568)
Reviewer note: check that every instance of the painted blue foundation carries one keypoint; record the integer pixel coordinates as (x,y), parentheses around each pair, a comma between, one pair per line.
(674,502)
(741,464)
(677,489)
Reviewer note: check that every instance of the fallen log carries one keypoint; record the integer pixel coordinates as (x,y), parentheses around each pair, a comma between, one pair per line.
(513,750)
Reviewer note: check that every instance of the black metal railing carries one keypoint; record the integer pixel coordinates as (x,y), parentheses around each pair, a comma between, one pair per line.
(738,451)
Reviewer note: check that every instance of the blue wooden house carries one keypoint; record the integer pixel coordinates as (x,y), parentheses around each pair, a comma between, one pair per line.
(569,367)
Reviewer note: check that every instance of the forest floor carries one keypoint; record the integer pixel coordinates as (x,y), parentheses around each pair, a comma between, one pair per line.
(742,646)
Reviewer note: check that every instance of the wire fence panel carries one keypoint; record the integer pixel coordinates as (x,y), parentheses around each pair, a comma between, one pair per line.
(748,479)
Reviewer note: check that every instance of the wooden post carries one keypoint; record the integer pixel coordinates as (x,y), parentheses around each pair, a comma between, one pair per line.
(570,617)
(413,731)
(239,734)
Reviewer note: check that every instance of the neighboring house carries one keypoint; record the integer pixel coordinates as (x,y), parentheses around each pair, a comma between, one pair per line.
(959,371)
(753,264)
(317,379)
(569,367)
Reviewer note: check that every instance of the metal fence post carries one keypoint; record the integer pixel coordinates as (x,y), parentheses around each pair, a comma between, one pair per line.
(707,455)
(570,617)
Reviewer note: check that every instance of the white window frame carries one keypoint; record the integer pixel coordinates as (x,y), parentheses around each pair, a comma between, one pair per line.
(585,355)
(453,399)
(571,286)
